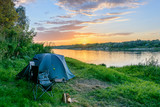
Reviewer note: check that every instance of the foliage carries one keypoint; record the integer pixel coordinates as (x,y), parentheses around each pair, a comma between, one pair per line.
(8,14)
(16,40)
(151,62)
(22,21)
(18,43)
(116,46)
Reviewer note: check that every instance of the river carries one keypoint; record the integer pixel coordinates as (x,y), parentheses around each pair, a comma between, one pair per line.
(113,58)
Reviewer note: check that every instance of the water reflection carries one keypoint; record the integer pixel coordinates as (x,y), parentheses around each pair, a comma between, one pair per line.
(119,58)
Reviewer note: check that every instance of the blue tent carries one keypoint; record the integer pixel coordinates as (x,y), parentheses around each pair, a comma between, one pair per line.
(54,63)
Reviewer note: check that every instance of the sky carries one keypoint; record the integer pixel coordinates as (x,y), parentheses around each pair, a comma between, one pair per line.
(67,22)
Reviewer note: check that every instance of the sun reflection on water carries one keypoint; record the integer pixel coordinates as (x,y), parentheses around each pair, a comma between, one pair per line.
(119,58)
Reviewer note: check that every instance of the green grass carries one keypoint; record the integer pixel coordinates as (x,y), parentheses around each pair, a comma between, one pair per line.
(144,72)
(135,85)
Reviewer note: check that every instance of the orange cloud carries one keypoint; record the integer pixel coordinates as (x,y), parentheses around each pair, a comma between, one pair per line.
(54,35)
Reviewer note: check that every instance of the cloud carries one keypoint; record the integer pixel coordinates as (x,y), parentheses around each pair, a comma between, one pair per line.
(68,15)
(62,28)
(38,23)
(20,2)
(72,24)
(120,13)
(54,35)
(87,7)
(65,33)
(78,22)
(65,16)
(78,35)
(64,22)
(116,34)
(69,27)
(105,19)
(120,34)
(122,20)
(41,28)
(70,35)
(57,35)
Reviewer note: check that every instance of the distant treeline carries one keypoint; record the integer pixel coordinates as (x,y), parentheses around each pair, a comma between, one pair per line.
(129,45)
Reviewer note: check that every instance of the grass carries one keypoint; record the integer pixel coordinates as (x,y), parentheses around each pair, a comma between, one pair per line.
(135,85)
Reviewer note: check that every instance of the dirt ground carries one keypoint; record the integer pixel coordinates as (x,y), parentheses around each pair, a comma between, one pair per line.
(86,85)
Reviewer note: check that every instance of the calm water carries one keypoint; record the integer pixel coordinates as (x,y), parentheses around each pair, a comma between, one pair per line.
(119,58)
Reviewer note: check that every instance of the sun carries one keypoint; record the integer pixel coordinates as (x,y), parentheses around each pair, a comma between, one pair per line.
(84,43)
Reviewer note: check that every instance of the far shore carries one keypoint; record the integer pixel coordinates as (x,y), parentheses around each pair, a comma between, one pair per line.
(115,49)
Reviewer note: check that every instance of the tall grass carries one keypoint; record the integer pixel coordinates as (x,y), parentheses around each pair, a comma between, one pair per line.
(149,70)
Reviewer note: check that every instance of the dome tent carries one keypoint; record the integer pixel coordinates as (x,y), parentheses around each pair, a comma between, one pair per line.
(54,63)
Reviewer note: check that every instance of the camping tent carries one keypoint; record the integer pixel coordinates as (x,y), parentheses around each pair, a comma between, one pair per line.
(53,63)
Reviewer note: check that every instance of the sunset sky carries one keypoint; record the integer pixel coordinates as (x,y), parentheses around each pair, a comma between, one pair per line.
(67,22)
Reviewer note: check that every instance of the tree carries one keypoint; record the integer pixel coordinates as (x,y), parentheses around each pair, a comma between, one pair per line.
(22,21)
(8,14)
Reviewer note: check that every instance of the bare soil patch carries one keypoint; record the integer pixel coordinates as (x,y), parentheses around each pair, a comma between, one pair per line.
(86,85)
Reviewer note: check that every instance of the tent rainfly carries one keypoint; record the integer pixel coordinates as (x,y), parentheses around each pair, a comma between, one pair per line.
(53,63)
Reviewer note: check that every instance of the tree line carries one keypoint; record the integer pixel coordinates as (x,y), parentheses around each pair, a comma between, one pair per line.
(114,45)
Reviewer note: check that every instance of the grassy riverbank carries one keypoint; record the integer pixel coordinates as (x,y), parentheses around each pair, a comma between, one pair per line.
(94,85)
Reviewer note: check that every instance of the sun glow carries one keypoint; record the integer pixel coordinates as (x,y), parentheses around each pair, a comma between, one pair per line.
(84,43)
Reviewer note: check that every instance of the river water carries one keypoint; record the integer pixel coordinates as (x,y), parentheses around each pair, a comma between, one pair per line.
(117,58)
